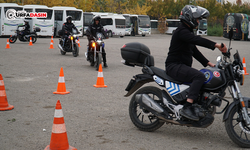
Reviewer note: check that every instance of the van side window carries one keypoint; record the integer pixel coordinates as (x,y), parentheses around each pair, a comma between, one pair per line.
(58,15)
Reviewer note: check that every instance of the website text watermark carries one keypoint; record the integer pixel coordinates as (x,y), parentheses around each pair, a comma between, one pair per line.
(12,14)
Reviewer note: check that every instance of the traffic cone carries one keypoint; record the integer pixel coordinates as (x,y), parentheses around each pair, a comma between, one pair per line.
(52,39)
(59,139)
(51,45)
(3,98)
(100,79)
(8,44)
(61,88)
(30,44)
(244,66)
(78,42)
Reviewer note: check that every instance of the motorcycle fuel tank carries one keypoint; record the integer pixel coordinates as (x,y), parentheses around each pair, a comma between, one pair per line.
(215,78)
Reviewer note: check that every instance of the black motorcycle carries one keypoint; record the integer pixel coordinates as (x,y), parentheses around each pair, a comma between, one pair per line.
(24,38)
(151,107)
(95,52)
(70,45)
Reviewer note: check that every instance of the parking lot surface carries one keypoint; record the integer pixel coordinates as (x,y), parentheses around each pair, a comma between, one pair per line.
(95,118)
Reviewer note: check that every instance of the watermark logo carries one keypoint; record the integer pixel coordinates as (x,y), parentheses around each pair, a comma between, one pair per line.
(12,14)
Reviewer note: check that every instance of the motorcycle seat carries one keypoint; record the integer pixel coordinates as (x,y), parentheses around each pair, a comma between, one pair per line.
(162,73)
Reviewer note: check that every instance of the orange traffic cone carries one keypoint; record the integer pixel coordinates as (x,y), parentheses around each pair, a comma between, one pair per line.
(59,139)
(30,44)
(61,88)
(3,98)
(244,66)
(100,79)
(51,45)
(52,39)
(8,44)
(78,42)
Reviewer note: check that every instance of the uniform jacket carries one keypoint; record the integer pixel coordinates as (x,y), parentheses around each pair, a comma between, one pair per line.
(93,29)
(183,47)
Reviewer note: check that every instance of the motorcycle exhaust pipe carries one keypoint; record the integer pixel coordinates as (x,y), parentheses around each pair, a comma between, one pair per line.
(60,47)
(145,101)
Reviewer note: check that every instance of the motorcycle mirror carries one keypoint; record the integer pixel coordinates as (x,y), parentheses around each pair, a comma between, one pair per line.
(218,58)
(231,34)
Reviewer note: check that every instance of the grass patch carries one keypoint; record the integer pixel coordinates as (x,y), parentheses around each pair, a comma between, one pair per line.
(215,30)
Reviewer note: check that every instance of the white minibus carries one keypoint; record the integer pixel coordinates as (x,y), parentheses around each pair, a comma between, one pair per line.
(61,14)
(8,27)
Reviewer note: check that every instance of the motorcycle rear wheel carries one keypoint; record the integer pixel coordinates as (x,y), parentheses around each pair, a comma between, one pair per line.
(12,39)
(236,128)
(143,119)
(34,38)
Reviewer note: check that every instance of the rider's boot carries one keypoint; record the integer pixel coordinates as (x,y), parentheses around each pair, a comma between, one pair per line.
(104,60)
(188,111)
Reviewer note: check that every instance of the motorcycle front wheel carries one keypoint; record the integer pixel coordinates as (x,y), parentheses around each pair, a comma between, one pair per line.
(76,50)
(13,39)
(236,128)
(98,60)
(142,118)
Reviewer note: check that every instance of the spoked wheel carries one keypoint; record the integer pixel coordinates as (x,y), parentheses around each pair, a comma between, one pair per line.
(13,39)
(141,117)
(236,127)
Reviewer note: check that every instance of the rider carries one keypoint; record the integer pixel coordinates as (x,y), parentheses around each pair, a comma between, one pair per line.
(26,30)
(182,49)
(67,28)
(91,33)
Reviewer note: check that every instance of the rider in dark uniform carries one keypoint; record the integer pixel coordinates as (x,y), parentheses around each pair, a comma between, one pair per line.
(91,32)
(181,52)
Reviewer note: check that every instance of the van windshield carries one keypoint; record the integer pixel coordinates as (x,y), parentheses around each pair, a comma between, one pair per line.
(144,21)
(87,19)
(128,22)
(202,25)
(76,15)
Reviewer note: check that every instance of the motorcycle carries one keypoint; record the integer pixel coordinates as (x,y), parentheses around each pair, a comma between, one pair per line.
(70,45)
(151,107)
(95,52)
(20,36)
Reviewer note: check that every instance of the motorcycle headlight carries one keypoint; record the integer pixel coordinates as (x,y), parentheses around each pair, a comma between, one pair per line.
(71,38)
(93,44)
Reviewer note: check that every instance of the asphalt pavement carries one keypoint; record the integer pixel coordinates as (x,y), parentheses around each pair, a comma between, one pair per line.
(95,118)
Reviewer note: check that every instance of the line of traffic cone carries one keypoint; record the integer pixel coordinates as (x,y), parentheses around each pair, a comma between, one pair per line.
(4,105)
(59,139)
(31,44)
(244,66)
(8,44)
(100,79)
(61,88)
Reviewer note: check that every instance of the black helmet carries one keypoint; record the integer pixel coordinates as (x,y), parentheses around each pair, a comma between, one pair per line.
(69,18)
(190,13)
(97,18)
